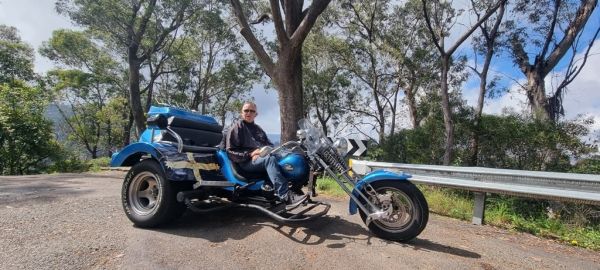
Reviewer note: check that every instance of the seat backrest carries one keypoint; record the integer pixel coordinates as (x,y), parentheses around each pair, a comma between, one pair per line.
(194,132)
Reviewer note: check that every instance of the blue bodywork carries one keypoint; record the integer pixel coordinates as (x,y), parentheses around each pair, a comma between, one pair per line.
(377,175)
(227,171)
(131,154)
(294,166)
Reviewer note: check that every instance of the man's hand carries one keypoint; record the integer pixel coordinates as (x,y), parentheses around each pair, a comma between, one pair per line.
(255,154)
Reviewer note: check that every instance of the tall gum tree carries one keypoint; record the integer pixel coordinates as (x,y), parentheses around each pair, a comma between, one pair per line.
(439,19)
(553,29)
(487,45)
(139,28)
(292,23)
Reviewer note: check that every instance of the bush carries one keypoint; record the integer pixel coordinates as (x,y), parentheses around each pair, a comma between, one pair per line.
(97,163)
(68,162)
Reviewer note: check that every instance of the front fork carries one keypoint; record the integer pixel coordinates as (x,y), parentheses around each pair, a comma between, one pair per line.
(373,211)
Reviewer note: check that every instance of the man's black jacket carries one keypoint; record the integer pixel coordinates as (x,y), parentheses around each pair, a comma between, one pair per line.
(243,138)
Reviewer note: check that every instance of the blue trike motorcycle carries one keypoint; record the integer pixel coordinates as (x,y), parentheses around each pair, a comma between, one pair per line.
(178,164)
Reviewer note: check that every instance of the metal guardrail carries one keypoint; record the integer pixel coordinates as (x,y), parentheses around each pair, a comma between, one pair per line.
(579,188)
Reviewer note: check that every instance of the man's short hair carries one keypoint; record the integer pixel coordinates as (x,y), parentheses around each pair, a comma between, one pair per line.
(249,103)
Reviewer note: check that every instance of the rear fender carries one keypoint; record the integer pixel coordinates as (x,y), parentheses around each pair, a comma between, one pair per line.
(374,176)
(132,154)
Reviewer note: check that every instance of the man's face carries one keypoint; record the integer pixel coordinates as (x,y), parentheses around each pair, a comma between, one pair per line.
(249,113)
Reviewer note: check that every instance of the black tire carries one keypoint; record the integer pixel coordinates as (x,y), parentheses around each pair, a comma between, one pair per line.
(148,198)
(404,225)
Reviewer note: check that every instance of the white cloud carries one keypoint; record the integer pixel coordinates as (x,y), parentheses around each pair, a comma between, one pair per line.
(35,20)
(268,108)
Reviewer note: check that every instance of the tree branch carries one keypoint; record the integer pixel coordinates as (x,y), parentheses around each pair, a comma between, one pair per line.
(246,32)
(436,41)
(282,36)
(316,8)
(583,14)
(475,26)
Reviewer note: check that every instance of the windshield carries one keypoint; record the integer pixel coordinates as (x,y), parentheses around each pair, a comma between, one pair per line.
(314,137)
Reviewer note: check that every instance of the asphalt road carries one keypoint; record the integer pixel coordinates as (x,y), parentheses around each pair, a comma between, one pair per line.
(75,221)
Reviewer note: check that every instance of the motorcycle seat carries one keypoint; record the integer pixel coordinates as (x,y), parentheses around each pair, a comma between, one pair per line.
(248,176)
(236,172)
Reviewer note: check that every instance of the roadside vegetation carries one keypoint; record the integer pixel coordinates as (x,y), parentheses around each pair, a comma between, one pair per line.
(575,225)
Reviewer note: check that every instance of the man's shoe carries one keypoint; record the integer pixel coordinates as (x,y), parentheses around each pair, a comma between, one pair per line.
(266,187)
(294,200)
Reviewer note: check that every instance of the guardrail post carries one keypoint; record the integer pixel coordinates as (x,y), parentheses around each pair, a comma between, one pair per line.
(479,208)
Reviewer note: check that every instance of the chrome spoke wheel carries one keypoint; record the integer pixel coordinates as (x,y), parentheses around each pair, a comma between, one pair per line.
(399,208)
(144,193)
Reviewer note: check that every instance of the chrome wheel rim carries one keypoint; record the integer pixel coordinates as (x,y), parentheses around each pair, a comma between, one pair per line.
(402,211)
(144,193)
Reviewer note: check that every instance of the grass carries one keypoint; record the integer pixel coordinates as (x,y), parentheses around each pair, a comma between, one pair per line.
(326,185)
(507,212)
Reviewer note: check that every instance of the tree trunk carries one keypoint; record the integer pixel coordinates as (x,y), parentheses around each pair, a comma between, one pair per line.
(536,94)
(479,109)
(149,97)
(412,104)
(288,79)
(109,140)
(127,130)
(134,90)
(447,112)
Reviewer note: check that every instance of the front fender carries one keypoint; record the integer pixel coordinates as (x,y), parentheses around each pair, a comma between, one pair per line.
(131,154)
(374,176)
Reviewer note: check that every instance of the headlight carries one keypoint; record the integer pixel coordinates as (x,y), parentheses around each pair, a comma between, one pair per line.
(341,145)
(301,134)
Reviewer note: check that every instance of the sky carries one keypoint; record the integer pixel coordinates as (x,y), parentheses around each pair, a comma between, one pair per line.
(36,19)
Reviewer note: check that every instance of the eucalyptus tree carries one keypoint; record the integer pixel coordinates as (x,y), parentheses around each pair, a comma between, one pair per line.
(292,23)
(327,88)
(407,42)
(541,33)
(208,69)
(440,17)
(86,85)
(363,26)
(486,44)
(138,28)
(16,57)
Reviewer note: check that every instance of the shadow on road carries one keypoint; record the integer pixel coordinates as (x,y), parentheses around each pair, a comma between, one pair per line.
(333,231)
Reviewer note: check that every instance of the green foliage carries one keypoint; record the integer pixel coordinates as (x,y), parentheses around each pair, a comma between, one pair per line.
(89,96)
(68,162)
(425,144)
(26,141)
(327,89)
(99,163)
(510,141)
(16,57)
(591,166)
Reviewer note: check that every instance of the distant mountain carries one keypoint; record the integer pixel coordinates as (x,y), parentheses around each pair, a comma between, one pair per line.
(54,115)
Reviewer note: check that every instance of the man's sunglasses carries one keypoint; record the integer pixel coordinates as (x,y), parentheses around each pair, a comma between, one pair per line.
(249,111)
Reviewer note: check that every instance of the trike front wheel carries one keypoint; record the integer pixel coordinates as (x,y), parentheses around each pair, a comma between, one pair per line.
(407,209)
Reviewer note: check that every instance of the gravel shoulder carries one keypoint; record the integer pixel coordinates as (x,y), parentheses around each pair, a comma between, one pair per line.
(75,221)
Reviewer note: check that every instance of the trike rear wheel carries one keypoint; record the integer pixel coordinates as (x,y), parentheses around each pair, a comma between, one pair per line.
(148,198)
